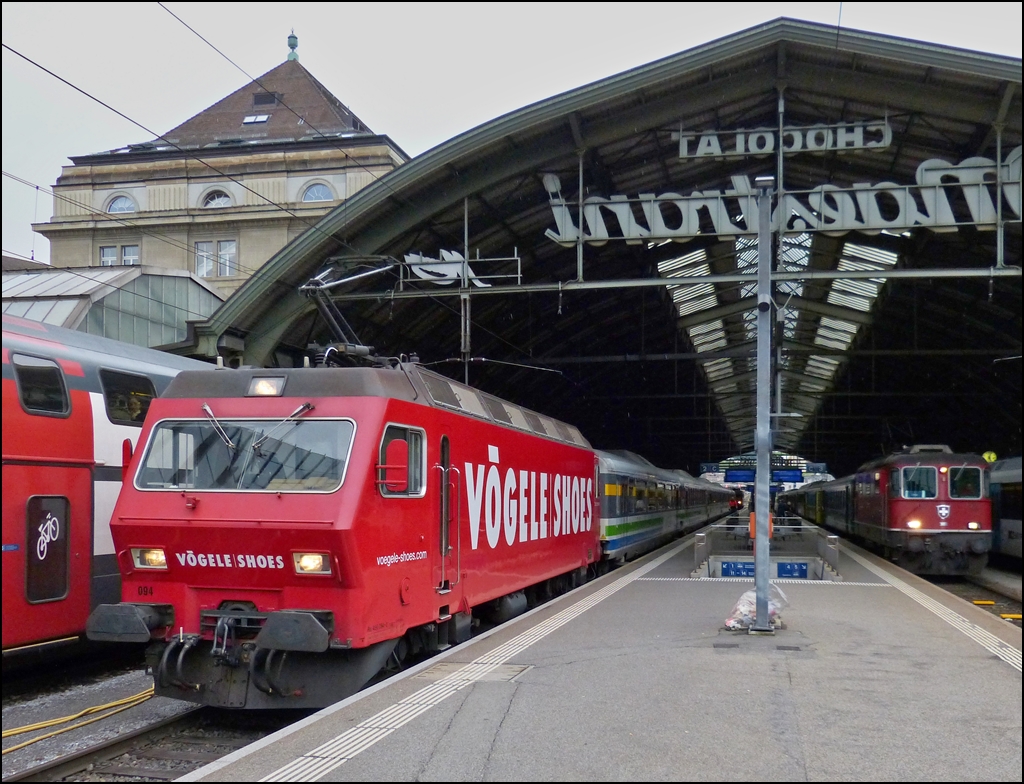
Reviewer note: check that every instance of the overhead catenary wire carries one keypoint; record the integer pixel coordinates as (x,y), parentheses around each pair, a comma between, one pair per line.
(280,101)
(113,217)
(334,238)
(396,195)
(111,286)
(256,274)
(263,270)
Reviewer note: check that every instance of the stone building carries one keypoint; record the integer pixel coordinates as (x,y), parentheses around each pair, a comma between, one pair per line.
(225,190)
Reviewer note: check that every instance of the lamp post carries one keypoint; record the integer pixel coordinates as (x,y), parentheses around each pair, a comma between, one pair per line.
(762,440)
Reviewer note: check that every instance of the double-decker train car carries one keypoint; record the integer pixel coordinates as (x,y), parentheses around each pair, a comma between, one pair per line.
(286,533)
(925,508)
(1006,507)
(70,400)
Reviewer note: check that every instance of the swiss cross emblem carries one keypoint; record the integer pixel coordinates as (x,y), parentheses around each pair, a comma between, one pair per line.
(943,510)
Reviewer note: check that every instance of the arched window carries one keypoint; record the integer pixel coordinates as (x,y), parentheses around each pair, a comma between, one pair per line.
(216,199)
(318,192)
(121,204)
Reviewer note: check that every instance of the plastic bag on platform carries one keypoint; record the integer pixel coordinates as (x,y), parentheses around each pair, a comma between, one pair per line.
(744,612)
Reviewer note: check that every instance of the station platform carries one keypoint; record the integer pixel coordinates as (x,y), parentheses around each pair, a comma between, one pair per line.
(633,676)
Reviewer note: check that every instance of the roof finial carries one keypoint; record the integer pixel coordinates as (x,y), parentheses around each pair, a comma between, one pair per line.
(293,43)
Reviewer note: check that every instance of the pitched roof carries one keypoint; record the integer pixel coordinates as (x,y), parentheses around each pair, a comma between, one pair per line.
(294,104)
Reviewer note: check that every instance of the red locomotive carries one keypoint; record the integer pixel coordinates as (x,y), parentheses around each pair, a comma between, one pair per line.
(287,533)
(736,502)
(925,508)
(69,401)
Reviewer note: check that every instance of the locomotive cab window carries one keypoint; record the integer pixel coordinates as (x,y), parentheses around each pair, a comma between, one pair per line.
(964,482)
(920,482)
(127,397)
(273,455)
(41,387)
(894,483)
(400,468)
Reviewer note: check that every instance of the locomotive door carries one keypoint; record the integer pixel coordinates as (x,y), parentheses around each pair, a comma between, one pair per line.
(447,575)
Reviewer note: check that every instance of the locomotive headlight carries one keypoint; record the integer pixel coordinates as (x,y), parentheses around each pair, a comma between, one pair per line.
(262,386)
(974,526)
(913,523)
(311,563)
(149,558)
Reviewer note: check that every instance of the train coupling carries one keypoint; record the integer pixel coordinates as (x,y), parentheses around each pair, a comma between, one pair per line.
(281,631)
(126,622)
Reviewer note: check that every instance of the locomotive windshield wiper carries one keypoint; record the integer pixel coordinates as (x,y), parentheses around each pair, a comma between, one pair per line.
(958,469)
(218,428)
(292,416)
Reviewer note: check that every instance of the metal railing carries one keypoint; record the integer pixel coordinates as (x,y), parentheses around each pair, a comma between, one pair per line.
(791,537)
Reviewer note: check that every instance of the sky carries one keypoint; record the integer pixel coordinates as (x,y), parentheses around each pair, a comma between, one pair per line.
(420,73)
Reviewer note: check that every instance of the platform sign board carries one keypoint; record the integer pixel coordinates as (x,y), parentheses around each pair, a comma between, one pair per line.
(787,475)
(709,468)
(740,474)
(738,568)
(816,468)
(797,570)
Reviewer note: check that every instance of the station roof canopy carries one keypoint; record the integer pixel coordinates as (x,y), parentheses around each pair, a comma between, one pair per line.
(148,306)
(897,289)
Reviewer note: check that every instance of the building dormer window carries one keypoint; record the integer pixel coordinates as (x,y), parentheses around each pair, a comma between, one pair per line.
(260,100)
(216,199)
(121,204)
(318,192)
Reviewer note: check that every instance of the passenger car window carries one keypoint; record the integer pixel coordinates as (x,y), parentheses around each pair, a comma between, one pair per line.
(41,385)
(127,397)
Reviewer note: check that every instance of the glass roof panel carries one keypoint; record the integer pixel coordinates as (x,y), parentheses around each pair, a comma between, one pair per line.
(839,325)
(687,307)
(846,301)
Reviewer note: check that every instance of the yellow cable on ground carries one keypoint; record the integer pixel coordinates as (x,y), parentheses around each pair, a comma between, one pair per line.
(117,705)
(95,709)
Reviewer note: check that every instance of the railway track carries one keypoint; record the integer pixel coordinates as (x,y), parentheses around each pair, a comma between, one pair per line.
(986,598)
(167,749)
(163,750)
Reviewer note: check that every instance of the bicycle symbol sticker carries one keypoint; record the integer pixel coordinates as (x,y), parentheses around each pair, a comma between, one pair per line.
(49,531)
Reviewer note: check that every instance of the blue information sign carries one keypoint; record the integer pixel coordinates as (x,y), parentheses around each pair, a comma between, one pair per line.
(740,474)
(737,568)
(787,475)
(798,570)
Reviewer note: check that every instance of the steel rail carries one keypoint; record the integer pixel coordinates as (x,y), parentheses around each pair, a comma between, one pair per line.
(69,764)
